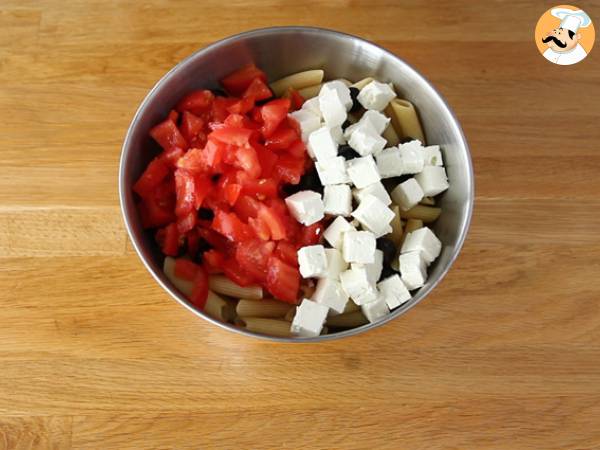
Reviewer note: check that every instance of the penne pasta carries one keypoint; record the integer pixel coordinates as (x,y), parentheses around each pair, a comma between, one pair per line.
(297,81)
(290,315)
(362,83)
(413,224)
(223,285)
(395,264)
(271,327)
(405,119)
(391,136)
(427,201)
(350,320)
(184,286)
(427,214)
(309,92)
(218,308)
(396,224)
(351,307)
(262,308)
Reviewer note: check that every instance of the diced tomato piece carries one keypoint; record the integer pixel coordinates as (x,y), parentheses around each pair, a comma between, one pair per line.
(261,188)
(292,228)
(235,273)
(256,115)
(289,169)
(311,235)
(237,82)
(213,260)
(186,269)
(295,97)
(258,90)
(214,152)
(278,205)
(197,102)
(297,149)
(202,187)
(168,239)
(216,240)
(260,228)
(167,135)
(247,160)
(242,106)
(273,113)
(185,187)
(194,161)
(232,192)
(200,290)
(153,215)
(193,242)
(173,115)
(219,108)
(287,253)
(171,156)
(232,135)
(282,138)
(154,174)
(191,125)
(187,222)
(246,207)
(164,194)
(266,158)
(283,280)
(274,222)
(253,256)
(230,226)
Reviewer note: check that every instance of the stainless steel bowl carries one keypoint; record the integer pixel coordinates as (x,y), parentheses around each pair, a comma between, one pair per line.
(281,51)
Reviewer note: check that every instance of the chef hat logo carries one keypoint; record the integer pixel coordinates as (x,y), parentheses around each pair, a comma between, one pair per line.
(564,35)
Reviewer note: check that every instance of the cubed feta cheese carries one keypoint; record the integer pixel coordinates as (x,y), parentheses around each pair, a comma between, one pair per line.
(383,232)
(377,121)
(412,157)
(332,171)
(424,241)
(330,293)
(374,269)
(362,171)
(413,269)
(356,284)
(335,263)
(337,199)
(433,180)
(366,141)
(342,91)
(309,319)
(376,95)
(338,135)
(350,129)
(407,194)
(312,105)
(359,247)
(306,207)
(322,145)
(393,290)
(373,214)
(375,189)
(432,156)
(312,261)
(332,108)
(375,310)
(334,234)
(389,163)
(308,122)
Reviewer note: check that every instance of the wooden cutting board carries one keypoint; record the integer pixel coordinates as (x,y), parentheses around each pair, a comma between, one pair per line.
(504,354)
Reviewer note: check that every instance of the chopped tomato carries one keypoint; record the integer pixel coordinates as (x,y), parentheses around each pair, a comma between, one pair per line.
(213,153)
(164,194)
(191,126)
(171,156)
(235,273)
(173,115)
(261,188)
(167,135)
(232,135)
(185,187)
(290,169)
(258,90)
(253,256)
(273,221)
(168,239)
(219,108)
(247,160)
(187,222)
(237,82)
(193,242)
(260,228)
(311,235)
(197,102)
(297,149)
(154,174)
(194,161)
(232,192)
(230,226)
(216,240)
(283,280)
(200,290)
(242,106)
(266,159)
(273,113)
(282,139)
(287,253)
(240,121)
(153,215)
(246,207)
(186,269)
(213,260)
(295,97)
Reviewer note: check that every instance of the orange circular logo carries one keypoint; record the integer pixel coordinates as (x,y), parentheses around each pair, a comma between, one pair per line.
(565,35)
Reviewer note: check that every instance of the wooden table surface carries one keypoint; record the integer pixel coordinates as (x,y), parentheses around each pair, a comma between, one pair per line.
(504,354)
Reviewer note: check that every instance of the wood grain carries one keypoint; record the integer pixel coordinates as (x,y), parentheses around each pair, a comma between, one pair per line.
(504,354)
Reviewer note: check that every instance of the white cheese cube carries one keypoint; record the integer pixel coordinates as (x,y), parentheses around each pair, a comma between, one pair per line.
(359,247)
(383,232)
(407,194)
(432,156)
(362,171)
(374,269)
(350,129)
(338,135)
(393,290)
(322,145)
(308,122)
(373,214)
(375,310)
(424,241)
(376,95)
(337,199)
(433,180)
(335,263)
(334,234)
(356,284)
(330,293)
(332,171)
(389,163)
(332,108)
(312,105)
(413,270)
(373,119)
(312,261)
(412,157)
(342,91)
(366,141)
(376,190)
(306,207)
(309,319)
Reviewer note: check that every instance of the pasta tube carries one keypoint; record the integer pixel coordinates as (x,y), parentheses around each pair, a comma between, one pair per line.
(184,286)
(309,92)
(427,214)
(428,201)
(262,308)
(223,285)
(350,320)
(405,119)
(396,224)
(413,224)
(391,136)
(350,307)
(362,83)
(297,81)
(271,327)
(218,308)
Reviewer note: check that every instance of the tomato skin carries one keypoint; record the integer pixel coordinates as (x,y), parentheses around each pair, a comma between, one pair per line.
(154,174)
(295,97)
(196,102)
(237,82)
(168,239)
(273,114)
(186,269)
(200,290)
(167,135)
(283,280)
